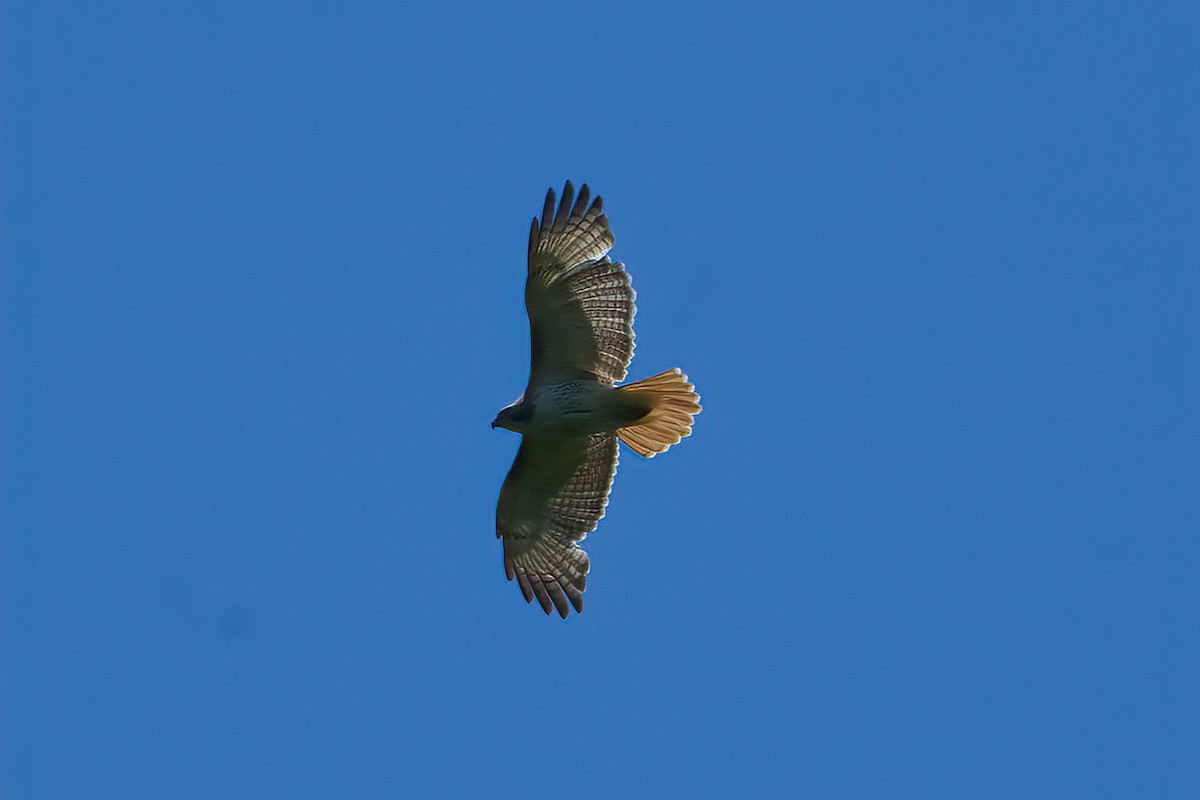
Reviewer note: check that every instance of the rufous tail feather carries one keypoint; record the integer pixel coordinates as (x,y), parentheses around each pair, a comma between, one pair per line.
(673,402)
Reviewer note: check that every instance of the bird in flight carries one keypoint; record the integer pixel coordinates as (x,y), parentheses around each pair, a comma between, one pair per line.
(580,307)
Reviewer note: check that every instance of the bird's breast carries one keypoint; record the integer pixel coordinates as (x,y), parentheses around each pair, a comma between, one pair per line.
(561,400)
(579,407)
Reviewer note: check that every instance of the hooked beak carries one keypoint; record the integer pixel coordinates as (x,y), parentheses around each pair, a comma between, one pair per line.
(493,424)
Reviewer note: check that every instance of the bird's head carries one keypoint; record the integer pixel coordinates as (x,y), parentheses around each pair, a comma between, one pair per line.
(515,416)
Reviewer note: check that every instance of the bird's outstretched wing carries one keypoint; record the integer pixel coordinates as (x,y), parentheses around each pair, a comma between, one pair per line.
(553,497)
(580,303)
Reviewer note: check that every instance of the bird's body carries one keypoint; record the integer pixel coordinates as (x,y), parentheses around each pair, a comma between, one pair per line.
(574,408)
(572,414)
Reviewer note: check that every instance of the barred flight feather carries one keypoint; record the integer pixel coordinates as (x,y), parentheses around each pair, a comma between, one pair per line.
(573,235)
(564,502)
(580,304)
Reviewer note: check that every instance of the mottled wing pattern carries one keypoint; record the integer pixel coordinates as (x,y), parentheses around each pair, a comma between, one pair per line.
(553,497)
(580,303)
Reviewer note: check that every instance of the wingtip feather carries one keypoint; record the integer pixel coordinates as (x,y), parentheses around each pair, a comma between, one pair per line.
(565,204)
(581,202)
(548,209)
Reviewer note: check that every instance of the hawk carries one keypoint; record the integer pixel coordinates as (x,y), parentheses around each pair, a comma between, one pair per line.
(580,307)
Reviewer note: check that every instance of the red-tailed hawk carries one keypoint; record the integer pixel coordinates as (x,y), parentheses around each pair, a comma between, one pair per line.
(581,309)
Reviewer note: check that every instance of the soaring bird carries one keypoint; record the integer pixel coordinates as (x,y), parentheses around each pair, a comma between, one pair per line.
(580,307)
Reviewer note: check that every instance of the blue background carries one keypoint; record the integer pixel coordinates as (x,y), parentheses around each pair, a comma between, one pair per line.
(934,270)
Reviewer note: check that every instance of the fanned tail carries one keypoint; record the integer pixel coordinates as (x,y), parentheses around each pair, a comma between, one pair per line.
(673,403)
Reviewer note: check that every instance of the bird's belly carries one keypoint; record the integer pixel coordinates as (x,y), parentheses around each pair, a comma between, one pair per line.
(579,408)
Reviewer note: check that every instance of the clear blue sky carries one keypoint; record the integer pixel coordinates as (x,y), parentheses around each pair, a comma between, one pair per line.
(934,271)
